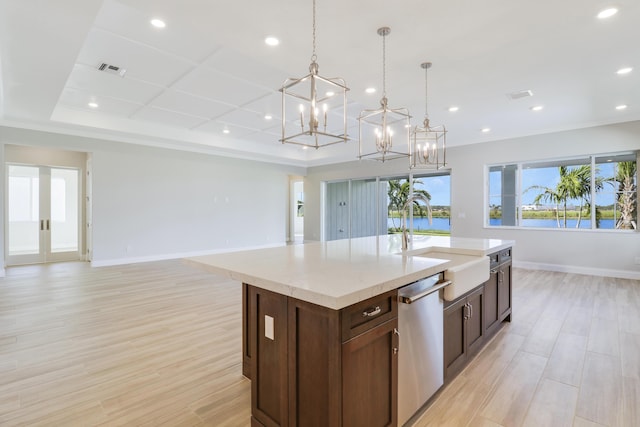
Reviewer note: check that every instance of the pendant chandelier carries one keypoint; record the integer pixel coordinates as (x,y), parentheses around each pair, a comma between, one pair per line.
(428,143)
(384,132)
(312,105)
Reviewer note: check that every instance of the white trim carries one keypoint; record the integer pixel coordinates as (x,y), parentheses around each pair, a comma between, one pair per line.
(164,257)
(575,269)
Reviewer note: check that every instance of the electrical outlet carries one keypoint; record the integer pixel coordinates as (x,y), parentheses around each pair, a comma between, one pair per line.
(268,327)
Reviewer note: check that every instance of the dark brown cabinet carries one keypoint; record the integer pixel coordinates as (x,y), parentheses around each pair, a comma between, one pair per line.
(498,291)
(314,366)
(464,330)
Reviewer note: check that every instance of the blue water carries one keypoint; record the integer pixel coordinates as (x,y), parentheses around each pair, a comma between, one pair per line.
(423,223)
(552,223)
(444,223)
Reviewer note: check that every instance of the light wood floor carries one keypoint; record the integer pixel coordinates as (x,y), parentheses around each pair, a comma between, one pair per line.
(159,344)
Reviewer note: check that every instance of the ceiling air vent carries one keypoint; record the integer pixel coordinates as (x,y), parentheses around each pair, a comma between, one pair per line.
(112,69)
(519,94)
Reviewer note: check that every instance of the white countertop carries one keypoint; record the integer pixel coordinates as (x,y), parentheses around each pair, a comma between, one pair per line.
(339,273)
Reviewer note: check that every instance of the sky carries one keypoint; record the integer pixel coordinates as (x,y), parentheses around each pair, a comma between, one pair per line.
(549,177)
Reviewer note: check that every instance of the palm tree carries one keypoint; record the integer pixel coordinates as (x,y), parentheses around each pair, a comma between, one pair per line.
(398,193)
(627,194)
(574,183)
(547,195)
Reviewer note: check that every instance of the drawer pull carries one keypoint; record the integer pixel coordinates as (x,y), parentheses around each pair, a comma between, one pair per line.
(372,311)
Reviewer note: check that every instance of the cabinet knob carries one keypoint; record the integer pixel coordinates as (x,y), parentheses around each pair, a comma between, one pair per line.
(395,350)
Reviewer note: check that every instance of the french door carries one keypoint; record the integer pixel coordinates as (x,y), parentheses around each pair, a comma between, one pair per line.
(43,214)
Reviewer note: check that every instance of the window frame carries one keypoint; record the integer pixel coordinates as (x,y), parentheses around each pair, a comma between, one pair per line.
(556,162)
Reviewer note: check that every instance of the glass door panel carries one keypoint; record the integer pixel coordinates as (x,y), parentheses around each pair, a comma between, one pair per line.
(64,210)
(23,211)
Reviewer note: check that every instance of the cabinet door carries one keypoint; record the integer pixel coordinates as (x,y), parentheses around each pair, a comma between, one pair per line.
(370,377)
(247,308)
(454,337)
(315,375)
(491,313)
(268,341)
(504,291)
(475,321)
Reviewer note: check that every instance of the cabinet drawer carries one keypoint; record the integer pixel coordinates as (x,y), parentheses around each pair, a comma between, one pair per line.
(504,255)
(364,315)
(494,259)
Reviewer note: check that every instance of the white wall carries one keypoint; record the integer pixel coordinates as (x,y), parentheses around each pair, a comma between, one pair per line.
(607,253)
(151,203)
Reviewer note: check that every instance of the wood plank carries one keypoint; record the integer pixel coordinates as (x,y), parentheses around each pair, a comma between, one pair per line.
(567,359)
(553,405)
(600,397)
(509,401)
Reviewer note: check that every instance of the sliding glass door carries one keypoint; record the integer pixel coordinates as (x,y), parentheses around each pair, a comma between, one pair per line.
(43,211)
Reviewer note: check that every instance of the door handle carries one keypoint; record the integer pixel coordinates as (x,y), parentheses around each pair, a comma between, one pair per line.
(42,225)
(470,310)
(47,225)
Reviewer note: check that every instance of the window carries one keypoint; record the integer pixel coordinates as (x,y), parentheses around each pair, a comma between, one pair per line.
(370,207)
(583,193)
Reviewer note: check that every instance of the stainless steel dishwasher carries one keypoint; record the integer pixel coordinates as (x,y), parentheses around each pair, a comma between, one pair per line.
(421,354)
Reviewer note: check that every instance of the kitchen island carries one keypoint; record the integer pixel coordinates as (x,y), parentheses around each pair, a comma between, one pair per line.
(320,323)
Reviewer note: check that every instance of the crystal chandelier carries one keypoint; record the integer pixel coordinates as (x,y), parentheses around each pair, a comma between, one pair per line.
(384,132)
(312,105)
(428,143)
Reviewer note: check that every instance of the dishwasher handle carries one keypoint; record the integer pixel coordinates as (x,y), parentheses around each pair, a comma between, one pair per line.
(408,299)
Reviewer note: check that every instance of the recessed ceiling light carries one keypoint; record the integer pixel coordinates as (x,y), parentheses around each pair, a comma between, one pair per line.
(621,107)
(304,147)
(453,109)
(625,70)
(537,108)
(158,23)
(485,130)
(226,131)
(607,13)
(370,90)
(268,117)
(272,41)
(330,93)
(93,105)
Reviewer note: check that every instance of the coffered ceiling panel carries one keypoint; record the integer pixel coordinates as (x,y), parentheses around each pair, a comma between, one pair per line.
(247,68)
(218,128)
(219,87)
(245,118)
(80,99)
(101,83)
(189,104)
(168,118)
(140,61)
(131,21)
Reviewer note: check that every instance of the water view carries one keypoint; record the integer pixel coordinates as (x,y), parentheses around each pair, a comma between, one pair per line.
(442,224)
(552,223)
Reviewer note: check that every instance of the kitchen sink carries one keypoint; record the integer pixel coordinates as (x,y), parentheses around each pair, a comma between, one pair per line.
(465,272)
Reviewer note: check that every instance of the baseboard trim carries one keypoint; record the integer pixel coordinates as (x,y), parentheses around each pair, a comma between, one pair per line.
(165,257)
(575,269)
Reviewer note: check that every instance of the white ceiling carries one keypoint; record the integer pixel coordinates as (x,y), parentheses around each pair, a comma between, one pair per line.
(210,69)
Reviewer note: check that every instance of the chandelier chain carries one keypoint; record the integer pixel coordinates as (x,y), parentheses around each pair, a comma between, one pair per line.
(384,65)
(426,92)
(314,56)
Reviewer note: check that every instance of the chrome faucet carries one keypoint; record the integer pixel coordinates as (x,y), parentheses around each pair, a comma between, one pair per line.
(410,200)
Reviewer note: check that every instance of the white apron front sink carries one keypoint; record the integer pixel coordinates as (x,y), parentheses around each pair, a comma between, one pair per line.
(465,272)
